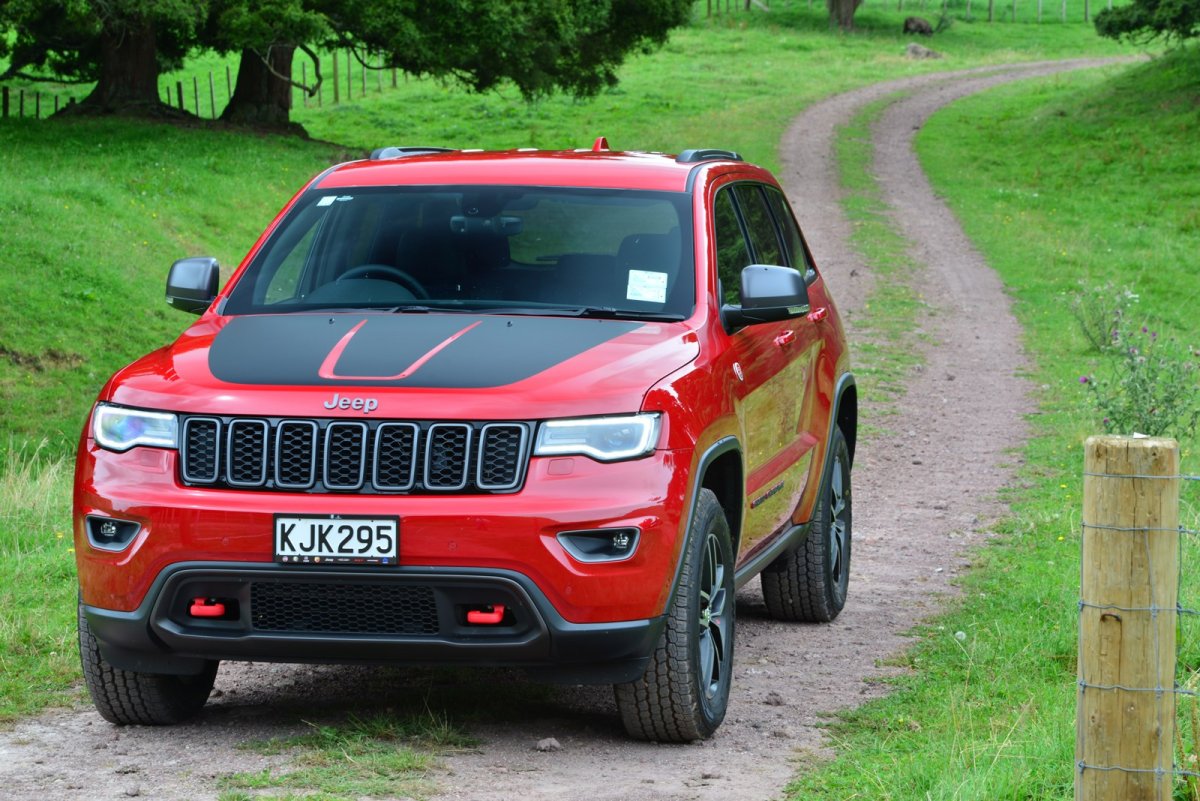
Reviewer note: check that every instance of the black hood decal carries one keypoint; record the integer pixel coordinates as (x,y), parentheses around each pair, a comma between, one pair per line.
(426,350)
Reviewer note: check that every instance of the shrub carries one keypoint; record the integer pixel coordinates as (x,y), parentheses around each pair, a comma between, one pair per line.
(1150,387)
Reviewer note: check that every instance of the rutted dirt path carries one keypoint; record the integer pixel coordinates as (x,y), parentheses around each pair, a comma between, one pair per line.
(923,494)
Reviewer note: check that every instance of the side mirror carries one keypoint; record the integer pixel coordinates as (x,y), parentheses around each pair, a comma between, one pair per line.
(192,283)
(769,294)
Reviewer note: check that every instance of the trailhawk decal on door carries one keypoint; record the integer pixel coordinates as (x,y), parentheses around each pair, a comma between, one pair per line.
(429,350)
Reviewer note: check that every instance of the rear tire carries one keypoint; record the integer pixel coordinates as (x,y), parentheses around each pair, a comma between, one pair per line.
(809,584)
(685,690)
(128,697)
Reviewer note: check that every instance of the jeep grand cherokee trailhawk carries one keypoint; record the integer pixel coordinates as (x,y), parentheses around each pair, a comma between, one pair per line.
(526,408)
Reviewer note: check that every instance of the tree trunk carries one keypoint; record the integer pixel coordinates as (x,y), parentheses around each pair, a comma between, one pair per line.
(841,13)
(128,71)
(260,97)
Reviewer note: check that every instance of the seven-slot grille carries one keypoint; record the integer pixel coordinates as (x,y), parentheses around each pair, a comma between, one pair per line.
(353,455)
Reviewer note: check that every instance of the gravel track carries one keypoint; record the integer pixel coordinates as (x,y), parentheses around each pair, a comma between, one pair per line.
(924,494)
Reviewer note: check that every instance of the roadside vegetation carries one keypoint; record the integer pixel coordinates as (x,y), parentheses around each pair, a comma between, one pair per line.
(95,210)
(1068,185)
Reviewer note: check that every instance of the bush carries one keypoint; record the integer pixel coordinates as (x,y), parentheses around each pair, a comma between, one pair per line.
(1151,387)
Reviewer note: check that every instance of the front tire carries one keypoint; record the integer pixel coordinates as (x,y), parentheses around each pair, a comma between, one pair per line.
(150,699)
(684,692)
(809,584)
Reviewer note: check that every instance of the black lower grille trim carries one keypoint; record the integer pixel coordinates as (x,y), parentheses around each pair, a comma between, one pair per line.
(321,608)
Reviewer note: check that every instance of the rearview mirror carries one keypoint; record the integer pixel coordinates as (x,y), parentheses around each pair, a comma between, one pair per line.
(192,283)
(769,294)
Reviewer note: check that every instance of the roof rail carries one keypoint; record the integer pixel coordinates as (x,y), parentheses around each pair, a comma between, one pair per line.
(383,153)
(707,154)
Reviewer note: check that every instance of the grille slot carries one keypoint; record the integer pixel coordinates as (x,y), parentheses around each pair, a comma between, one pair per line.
(322,455)
(396,456)
(446,456)
(296,454)
(201,450)
(343,608)
(501,451)
(246,453)
(345,455)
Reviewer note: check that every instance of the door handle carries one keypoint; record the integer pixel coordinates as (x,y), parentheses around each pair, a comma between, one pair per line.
(785,338)
(817,315)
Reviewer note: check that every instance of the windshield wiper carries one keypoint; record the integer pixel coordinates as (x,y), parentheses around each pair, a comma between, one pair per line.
(609,313)
(419,309)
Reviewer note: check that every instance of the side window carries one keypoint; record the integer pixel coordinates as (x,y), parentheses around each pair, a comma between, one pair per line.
(759,224)
(797,254)
(732,253)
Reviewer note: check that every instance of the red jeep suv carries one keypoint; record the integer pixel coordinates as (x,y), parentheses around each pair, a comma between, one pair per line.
(537,409)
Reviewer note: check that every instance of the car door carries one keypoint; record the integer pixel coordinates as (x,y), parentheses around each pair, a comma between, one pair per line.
(773,363)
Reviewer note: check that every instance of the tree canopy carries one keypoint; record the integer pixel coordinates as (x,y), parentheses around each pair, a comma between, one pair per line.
(540,46)
(1143,20)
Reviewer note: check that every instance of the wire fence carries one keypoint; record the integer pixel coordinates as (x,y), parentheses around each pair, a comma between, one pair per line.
(1139,649)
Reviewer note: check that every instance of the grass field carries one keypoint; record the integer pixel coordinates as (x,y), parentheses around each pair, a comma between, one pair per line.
(96,210)
(1092,178)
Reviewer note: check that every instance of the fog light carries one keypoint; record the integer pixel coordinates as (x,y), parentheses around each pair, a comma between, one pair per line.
(109,533)
(600,545)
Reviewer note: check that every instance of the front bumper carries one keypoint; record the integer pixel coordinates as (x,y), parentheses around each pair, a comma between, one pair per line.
(514,534)
(398,615)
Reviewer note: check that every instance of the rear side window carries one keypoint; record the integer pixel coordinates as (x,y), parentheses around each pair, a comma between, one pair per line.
(759,224)
(796,252)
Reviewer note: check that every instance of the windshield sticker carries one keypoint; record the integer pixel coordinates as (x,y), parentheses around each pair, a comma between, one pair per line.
(647,286)
(327,200)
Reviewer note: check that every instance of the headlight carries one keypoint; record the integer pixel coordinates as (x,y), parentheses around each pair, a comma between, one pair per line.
(119,429)
(606,439)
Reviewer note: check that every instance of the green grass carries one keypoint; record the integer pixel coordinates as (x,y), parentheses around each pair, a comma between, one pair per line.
(376,756)
(1087,176)
(885,330)
(94,213)
(39,659)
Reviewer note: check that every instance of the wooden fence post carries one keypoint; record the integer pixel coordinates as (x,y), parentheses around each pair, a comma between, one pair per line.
(212,96)
(4,102)
(1125,724)
(336,90)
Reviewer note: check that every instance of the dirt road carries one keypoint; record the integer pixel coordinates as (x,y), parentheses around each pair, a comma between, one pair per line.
(923,495)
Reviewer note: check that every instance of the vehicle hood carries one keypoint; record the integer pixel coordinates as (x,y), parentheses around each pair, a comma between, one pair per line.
(417,366)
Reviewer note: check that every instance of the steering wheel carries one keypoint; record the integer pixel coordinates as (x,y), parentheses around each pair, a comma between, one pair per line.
(394,274)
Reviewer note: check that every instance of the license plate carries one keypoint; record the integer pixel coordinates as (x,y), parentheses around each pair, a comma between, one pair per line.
(337,540)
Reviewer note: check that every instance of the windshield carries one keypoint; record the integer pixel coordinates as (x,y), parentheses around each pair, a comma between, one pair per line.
(487,249)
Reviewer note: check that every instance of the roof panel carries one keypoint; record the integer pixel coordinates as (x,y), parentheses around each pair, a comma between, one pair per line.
(604,170)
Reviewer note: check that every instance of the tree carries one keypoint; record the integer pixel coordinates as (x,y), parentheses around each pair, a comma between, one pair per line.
(121,45)
(539,45)
(1143,20)
(266,35)
(841,13)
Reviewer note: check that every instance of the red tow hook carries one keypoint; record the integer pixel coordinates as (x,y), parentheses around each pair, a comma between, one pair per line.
(481,617)
(203,607)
